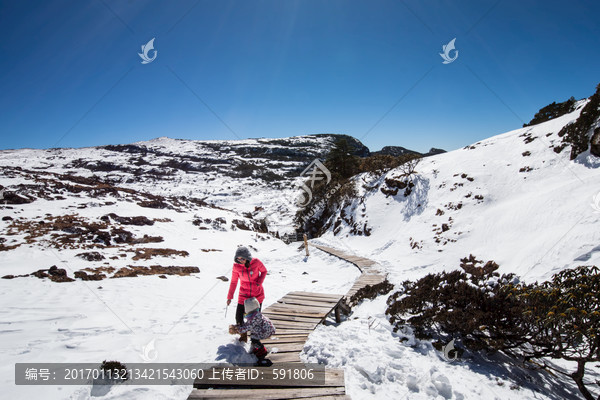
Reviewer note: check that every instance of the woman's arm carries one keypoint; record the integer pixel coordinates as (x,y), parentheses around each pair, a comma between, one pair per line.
(232,285)
(263,273)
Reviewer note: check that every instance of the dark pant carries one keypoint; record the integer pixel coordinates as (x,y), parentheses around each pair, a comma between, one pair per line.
(239,313)
(239,319)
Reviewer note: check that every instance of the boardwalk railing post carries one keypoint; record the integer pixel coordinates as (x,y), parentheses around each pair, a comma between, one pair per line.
(306,244)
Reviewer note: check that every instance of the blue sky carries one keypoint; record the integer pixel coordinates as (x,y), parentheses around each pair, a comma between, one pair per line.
(70,75)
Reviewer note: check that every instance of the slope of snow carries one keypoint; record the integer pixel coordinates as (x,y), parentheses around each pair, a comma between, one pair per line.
(182,318)
(533,223)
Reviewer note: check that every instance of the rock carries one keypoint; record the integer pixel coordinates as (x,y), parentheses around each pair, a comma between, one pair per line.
(223,278)
(133,271)
(138,221)
(41,273)
(160,204)
(433,151)
(59,275)
(595,143)
(91,256)
(84,276)
(394,151)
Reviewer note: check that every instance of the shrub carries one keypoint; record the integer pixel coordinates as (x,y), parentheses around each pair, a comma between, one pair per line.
(115,368)
(576,133)
(474,304)
(370,292)
(552,111)
(559,318)
(341,162)
(382,163)
(563,315)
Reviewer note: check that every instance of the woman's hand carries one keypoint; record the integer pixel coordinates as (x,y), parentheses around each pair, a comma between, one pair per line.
(228,301)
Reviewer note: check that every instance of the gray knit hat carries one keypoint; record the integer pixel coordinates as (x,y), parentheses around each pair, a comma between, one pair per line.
(251,304)
(242,252)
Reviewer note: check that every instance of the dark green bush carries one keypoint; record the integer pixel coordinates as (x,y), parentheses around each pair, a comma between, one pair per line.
(578,133)
(559,318)
(370,292)
(475,304)
(552,111)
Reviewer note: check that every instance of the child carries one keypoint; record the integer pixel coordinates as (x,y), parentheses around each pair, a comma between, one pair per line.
(260,327)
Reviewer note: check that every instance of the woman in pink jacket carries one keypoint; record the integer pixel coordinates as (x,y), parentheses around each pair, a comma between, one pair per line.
(251,273)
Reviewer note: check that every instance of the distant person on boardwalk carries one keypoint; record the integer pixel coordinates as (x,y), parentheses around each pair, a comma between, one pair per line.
(251,273)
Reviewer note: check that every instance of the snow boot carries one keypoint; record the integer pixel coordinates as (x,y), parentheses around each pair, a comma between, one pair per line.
(263,362)
(260,352)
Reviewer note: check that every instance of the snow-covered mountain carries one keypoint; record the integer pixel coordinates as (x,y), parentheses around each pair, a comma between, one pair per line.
(162,219)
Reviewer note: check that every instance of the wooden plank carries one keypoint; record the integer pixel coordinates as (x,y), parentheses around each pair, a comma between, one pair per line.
(372,278)
(312,297)
(324,295)
(325,300)
(295,314)
(286,347)
(282,317)
(299,311)
(285,357)
(293,331)
(310,303)
(284,334)
(299,307)
(266,394)
(287,331)
(275,340)
(293,325)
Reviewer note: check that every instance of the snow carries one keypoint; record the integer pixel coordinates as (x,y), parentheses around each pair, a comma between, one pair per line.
(378,365)
(532,223)
(182,318)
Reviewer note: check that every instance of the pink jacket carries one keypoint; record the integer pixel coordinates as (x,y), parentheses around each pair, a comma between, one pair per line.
(251,280)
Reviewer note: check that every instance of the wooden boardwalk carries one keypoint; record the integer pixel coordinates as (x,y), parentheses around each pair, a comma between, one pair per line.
(295,316)
(370,274)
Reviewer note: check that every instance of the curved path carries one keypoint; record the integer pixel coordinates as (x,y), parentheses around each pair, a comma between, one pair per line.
(370,273)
